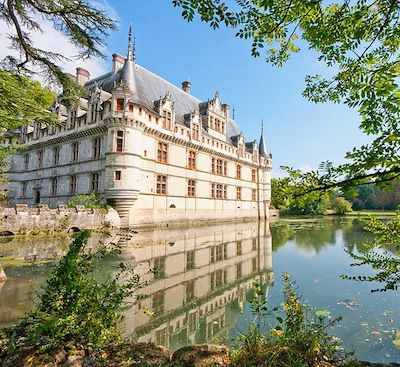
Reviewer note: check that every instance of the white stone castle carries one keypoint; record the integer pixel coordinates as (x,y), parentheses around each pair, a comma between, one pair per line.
(156,152)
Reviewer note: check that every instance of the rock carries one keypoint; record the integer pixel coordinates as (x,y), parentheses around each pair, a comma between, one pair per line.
(202,355)
(147,354)
(74,361)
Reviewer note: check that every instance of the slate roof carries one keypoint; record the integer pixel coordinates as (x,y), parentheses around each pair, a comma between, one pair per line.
(147,88)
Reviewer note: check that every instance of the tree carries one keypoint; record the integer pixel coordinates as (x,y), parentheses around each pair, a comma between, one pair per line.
(23,100)
(341,206)
(358,41)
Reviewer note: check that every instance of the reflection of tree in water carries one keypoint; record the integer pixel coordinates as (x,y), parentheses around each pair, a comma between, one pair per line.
(314,234)
(355,237)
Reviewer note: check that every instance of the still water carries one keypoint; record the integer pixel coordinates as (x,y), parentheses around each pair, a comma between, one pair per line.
(198,293)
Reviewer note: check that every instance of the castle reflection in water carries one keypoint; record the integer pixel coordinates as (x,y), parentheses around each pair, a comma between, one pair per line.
(199,285)
(195,279)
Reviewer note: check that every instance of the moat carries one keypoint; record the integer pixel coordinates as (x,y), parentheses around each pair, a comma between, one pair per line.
(198,292)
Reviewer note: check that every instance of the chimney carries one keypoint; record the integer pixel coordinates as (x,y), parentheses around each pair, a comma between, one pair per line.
(117,63)
(82,76)
(226,108)
(186,86)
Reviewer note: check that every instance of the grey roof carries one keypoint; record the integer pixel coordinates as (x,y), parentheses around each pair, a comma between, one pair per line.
(147,88)
(262,147)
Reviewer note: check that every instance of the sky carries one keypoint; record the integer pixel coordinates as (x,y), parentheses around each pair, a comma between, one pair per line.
(299,133)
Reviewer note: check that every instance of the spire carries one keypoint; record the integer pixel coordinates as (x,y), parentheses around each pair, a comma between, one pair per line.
(262,149)
(131,47)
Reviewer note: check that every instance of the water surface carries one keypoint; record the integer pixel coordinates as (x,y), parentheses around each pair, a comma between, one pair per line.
(198,294)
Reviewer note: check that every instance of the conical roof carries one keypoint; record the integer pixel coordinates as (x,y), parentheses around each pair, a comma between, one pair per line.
(262,148)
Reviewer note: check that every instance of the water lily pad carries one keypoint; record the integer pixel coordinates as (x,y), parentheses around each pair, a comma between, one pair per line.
(396,340)
(322,313)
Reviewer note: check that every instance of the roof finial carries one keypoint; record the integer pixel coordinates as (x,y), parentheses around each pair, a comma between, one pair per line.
(131,48)
(262,126)
(233,112)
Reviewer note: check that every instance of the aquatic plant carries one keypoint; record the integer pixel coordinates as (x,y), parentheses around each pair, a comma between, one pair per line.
(300,338)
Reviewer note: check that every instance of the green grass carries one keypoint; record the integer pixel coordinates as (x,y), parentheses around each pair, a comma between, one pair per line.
(379,213)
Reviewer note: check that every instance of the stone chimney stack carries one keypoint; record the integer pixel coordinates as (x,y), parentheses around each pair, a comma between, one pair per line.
(226,108)
(186,86)
(82,76)
(117,63)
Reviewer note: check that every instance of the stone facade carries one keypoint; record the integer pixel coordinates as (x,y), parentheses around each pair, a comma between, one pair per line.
(158,153)
(41,219)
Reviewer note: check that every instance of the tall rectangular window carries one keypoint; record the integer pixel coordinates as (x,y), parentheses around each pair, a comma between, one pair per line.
(54,183)
(166,119)
(195,132)
(56,156)
(119,143)
(40,158)
(161,187)
(96,148)
(213,190)
(162,152)
(253,194)
(238,172)
(190,260)
(72,188)
(238,248)
(192,159)
(75,152)
(225,168)
(24,185)
(213,165)
(93,115)
(159,267)
(158,303)
(120,104)
(238,193)
(191,188)
(26,161)
(94,182)
(253,175)
(117,175)
(225,192)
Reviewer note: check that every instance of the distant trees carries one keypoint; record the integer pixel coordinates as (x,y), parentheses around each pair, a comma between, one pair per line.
(374,197)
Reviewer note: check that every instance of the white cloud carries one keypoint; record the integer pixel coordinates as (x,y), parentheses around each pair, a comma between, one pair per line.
(55,41)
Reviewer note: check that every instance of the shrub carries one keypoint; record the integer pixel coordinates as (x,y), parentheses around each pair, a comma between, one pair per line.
(93,200)
(298,340)
(341,206)
(75,311)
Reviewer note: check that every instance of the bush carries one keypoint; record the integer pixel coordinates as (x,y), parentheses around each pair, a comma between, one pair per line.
(341,206)
(298,340)
(75,311)
(93,200)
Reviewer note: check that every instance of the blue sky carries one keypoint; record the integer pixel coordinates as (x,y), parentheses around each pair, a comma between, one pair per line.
(299,133)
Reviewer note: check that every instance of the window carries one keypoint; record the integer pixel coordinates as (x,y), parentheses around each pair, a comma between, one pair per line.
(219,191)
(166,120)
(225,168)
(130,107)
(40,158)
(254,264)
(149,117)
(24,185)
(213,165)
(238,271)
(161,185)
(94,182)
(96,148)
(219,166)
(72,189)
(253,195)
(253,175)
(158,303)
(119,143)
(238,172)
(120,104)
(190,260)
(74,119)
(75,152)
(159,268)
(195,132)
(191,188)
(93,115)
(54,183)
(192,159)
(238,193)
(254,244)
(140,111)
(238,248)
(117,175)
(26,161)
(190,297)
(213,190)
(162,152)
(225,192)
(56,156)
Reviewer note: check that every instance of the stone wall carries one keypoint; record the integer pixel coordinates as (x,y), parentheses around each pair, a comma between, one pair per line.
(25,220)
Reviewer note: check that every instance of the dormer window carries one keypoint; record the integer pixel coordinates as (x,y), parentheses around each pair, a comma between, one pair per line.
(93,113)
(166,119)
(195,132)
(120,104)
